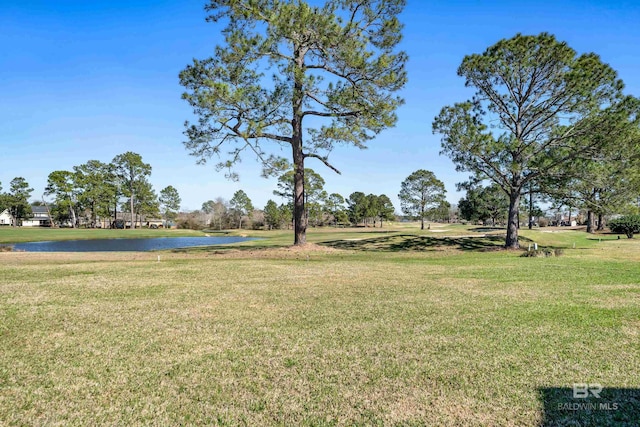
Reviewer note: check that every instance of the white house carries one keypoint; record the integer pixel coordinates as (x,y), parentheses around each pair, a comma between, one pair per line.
(5,218)
(40,218)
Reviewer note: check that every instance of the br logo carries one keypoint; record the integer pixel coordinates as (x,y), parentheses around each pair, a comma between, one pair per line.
(583,390)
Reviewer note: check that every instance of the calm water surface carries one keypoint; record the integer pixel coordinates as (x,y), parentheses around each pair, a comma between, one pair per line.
(118,245)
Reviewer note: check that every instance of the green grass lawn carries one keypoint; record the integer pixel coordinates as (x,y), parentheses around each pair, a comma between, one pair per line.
(387,327)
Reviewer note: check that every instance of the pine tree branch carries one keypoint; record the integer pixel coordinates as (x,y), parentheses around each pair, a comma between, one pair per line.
(323,160)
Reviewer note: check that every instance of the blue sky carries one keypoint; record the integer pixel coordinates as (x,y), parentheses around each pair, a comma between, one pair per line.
(84,80)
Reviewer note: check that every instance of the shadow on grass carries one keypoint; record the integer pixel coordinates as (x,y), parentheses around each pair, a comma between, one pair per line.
(613,407)
(410,242)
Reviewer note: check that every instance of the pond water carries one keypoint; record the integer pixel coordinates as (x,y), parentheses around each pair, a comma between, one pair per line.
(127,245)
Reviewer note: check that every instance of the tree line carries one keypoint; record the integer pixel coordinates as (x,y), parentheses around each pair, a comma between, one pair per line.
(582,203)
(421,195)
(96,191)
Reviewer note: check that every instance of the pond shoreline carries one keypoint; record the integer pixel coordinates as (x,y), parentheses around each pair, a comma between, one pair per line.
(122,244)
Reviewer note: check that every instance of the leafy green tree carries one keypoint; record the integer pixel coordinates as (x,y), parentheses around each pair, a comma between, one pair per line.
(335,207)
(208,206)
(170,203)
(357,207)
(483,203)
(494,204)
(628,225)
(386,211)
(316,209)
(377,208)
(335,65)
(272,215)
(146,200)
(420,193)
(371,209)
(442,212)
(240,205)
(64,187)
(97,189)
(217,210)
(535,106)
(131,171)
(286,215)
(17,200)
(468,209)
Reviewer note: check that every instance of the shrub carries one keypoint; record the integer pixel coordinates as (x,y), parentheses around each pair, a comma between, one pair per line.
(189,223)
(543,222)
(628,225)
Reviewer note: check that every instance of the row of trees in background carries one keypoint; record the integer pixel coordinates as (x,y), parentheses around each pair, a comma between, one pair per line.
(422,197)
(332,210)
(321,208)
(591,207)
(97,191)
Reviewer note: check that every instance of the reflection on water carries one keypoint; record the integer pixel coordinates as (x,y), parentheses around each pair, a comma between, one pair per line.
(117,245)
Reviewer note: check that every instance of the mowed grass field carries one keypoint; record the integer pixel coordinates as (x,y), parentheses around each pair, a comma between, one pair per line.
(366,327)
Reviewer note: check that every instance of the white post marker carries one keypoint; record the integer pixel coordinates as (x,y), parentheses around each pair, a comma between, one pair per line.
(158,258)
(535,246)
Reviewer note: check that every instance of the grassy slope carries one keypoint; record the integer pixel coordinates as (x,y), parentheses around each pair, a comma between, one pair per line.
(449,333)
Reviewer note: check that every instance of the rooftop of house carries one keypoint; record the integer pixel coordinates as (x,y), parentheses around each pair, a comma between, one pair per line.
(38,209)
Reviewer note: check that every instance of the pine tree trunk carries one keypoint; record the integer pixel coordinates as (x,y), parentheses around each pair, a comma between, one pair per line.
(530,208)
(512,220)
(600,222)
(300,223)
(299,220)
(590,221)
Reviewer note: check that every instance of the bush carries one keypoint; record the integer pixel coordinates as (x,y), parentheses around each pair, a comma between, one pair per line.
(189,223)
(543,222)
(628,225)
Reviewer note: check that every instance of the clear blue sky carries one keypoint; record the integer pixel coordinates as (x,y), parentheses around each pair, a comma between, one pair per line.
(85,80)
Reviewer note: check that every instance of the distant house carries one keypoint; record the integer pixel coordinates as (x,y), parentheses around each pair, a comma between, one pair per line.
(124,218)
(5,218)
(39,218)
